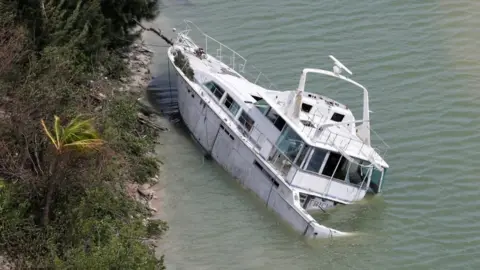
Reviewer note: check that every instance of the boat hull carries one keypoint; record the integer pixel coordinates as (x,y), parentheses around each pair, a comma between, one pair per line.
(229,150)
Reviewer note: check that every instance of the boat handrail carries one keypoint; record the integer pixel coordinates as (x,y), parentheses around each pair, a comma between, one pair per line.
(311,118)
(233,59)
(336,139)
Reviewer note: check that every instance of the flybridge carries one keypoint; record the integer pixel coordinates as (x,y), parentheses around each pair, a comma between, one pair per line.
(364,129)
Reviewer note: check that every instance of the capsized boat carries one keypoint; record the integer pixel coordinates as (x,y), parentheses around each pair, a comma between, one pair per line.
(299,151)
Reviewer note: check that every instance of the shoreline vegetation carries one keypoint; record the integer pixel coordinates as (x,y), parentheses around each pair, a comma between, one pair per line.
(76,163)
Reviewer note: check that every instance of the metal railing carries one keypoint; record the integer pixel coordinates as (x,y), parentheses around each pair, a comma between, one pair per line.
(316,117)
(338,140)
(343,142)
(276,158)
(192,36)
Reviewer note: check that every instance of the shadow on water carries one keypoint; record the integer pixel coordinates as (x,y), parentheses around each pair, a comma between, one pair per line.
(162,92)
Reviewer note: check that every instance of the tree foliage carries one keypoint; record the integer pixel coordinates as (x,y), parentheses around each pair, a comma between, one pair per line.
(60,207)
(88,24)
(77,134)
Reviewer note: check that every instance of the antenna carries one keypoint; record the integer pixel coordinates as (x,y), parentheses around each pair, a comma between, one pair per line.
(338,66)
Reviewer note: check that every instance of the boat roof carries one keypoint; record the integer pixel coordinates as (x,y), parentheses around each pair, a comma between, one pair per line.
(245,89)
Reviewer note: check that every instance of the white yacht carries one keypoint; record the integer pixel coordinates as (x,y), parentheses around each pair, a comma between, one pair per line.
(299,151)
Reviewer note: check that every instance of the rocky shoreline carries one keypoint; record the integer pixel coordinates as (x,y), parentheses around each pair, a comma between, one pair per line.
(139,60)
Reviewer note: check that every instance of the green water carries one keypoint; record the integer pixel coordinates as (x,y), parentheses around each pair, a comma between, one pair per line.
(420,62)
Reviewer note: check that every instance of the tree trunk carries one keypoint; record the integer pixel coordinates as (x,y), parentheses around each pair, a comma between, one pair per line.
(52,179)
(48,202)
(44,13)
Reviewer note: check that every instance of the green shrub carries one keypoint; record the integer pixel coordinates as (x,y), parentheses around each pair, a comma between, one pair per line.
(98,228)
(49,58)
(145,168)
(182,62)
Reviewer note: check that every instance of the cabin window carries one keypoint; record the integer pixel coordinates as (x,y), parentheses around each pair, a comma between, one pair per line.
(316,160)
(277,121)
(256,98)
(262,106)
(290,143)
(337,117)
(215,89)
(342,169)
(331,168)
(375,181)
(382,181)
(357,171)
(246,121)
(306,107)
(231,105)
(271,114)
(302,155)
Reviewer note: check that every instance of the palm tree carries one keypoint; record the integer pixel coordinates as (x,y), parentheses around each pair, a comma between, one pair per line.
(78,135)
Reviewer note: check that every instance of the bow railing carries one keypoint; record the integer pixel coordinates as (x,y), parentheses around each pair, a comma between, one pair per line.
(194,37)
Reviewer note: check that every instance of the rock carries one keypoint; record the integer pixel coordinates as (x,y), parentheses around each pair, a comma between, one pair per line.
(150,243)
(145,191)
(155,179)
(153,124)
(132,191)
(99,96)
(151,208)
(150,155)
(145,186)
